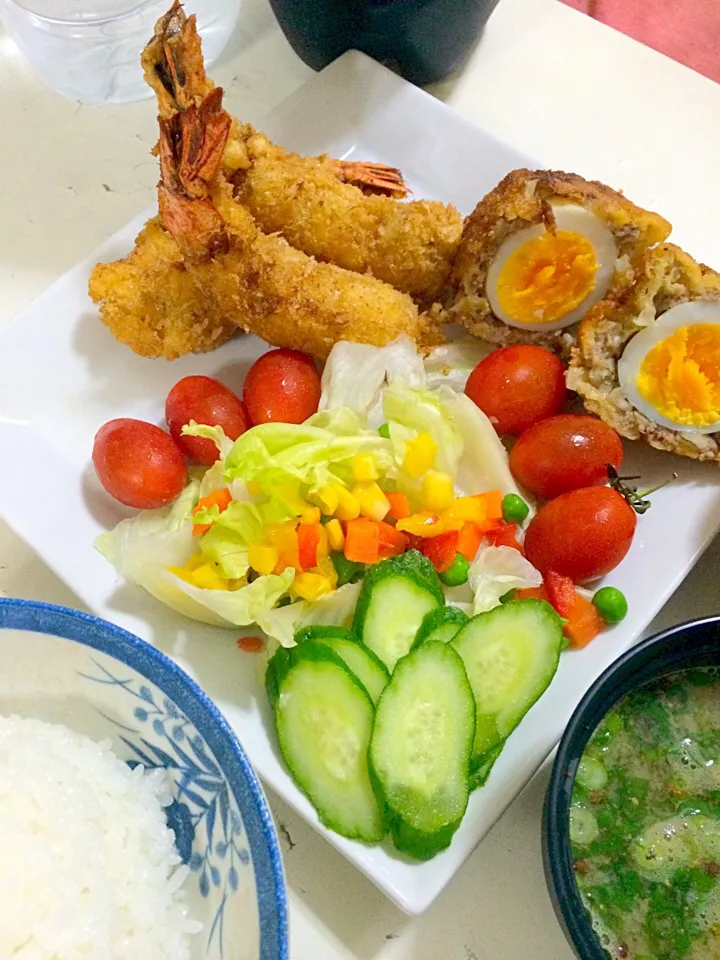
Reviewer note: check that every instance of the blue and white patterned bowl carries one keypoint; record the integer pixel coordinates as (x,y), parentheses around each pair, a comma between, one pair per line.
(63,666)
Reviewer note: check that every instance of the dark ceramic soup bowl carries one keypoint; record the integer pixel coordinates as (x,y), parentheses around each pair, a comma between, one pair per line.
(694,644)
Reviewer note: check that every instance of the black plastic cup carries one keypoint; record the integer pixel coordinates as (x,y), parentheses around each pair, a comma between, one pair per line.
(424,39)
(693,644)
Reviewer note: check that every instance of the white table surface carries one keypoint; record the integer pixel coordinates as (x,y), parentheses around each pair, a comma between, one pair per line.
(567,90)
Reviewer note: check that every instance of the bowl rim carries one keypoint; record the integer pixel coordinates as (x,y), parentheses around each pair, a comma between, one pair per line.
(604,693)
(98,634)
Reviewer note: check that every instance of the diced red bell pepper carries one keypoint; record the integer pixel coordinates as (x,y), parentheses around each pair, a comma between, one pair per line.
(308,535)
(399,505)
(441,550)
(392,541)
(560,592)
(362,540)
(469,539)
(250,644)
(504,536)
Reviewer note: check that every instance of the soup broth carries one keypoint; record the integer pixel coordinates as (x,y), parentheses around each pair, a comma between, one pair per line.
(645,822)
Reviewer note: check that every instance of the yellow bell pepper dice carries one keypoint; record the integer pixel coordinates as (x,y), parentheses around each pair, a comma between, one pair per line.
(335,535)
(253,488)
(423,524)
(205,577)
(437,491)
(419,454)
(373,503)
(364,467)
(465,510)
(348,507)
(263,557)
(311,586)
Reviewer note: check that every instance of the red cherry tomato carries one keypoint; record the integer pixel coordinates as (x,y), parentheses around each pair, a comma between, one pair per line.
(517,386)
(583,534)
(207,401)
(138,463)
(282,385)
(564,453)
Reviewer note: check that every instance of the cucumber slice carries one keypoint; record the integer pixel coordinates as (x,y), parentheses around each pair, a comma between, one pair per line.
(421,846)
(396,595)
(440,624)
(511,654)
(421,744)
(324,720)
(480,769)
(368,668)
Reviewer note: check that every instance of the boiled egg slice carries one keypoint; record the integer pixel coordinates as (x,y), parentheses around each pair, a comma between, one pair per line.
(670,371)
(541,280)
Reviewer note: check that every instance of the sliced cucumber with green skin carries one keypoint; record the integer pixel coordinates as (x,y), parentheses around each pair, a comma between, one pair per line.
(324,720)
(421,743)
(511,654)
(440,624)
(396,595)
(419,845)
(483,765)
(367,667)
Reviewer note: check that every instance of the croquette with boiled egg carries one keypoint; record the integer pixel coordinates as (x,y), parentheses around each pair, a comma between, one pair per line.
(648,363)
(539,251)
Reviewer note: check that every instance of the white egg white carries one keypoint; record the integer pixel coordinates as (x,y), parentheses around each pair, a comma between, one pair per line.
(568,216)
(684,315)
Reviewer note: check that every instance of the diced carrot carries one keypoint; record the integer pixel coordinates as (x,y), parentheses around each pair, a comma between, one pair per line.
(561,592)
(219,498)
(399,505)
(392,542)
(250,644)
(362,540)
(308,535)
(441,550)
(493,504)
(583,621)
(469,539)
(504,536)
(531,593)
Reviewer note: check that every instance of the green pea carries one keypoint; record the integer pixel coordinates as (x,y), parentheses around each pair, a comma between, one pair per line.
(457,574)
(514,508)
(611,603)
(284,601)
(384,430)
(507,597)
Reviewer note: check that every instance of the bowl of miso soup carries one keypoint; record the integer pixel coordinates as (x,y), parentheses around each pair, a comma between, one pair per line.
(631,837)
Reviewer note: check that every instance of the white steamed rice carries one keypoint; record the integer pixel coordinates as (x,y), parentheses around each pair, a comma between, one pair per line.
(88,865)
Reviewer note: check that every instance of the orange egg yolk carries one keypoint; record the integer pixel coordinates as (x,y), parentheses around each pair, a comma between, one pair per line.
(547,277)
(680,376)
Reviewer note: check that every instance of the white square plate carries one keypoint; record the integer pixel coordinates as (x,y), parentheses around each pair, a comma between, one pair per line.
(63,376)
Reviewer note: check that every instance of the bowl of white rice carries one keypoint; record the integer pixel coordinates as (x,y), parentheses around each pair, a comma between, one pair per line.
(132,824)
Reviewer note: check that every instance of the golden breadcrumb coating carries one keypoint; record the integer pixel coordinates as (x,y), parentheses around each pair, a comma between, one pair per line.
(666,276)
(523,199)
(152,304)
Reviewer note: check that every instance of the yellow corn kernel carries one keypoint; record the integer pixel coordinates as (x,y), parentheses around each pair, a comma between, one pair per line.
(335,535)
(364,467)
(263,557)
(323,548)
(419,454)
(207,578)
(373,502)
(254,488)
(311,586)
(348,507)
(328,497)
(310,515)
(437,491)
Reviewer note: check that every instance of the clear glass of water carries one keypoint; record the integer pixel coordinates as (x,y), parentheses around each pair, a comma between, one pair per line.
(90,49)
